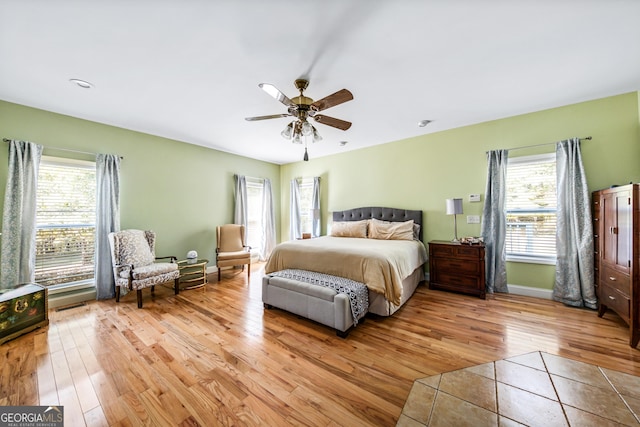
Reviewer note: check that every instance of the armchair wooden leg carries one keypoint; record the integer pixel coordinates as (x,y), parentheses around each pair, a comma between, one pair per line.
(117,293)
(248,271)
(219,274)
(139,294)
(176,286)
(153,289)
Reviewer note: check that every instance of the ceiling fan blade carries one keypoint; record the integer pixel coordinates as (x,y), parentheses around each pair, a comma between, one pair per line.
(272,116)
(273,91)
(332,100)
(331,121)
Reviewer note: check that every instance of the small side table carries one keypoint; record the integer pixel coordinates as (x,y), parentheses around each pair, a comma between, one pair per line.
(193,272)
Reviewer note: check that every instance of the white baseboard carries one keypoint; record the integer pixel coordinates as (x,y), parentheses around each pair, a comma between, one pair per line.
(63,299)
(528,291)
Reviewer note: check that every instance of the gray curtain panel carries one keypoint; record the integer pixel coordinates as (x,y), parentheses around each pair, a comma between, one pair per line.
(19,216)
(295,231)
(107,221)
(268,222)
(315,208)
(575,282)
(494,222)
(240,213)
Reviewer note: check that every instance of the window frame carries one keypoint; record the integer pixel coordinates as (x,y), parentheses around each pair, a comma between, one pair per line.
(533,258)
(255,183)
(305,185)
(80,164)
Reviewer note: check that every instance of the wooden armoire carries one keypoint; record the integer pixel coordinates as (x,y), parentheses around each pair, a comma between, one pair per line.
(616,229)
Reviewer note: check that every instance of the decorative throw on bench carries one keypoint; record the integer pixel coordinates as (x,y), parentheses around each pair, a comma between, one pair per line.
(357,292)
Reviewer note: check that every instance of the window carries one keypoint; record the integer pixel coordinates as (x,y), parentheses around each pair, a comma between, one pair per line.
(65,221)
(305,191)
(255,192)
(531,209)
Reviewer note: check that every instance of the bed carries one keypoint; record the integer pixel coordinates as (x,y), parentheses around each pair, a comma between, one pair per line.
(390,269)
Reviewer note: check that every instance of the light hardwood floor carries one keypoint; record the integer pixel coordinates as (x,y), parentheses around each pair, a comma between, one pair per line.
(216,357)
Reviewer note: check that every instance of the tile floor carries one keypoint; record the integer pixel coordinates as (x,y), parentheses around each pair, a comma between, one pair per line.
(535,389)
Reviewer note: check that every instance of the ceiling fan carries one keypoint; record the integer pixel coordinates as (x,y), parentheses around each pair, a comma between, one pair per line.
(302,107)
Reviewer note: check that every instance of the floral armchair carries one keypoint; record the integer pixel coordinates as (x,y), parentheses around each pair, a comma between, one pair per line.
(134,267)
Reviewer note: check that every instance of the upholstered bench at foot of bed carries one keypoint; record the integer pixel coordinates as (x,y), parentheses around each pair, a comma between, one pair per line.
(317,303)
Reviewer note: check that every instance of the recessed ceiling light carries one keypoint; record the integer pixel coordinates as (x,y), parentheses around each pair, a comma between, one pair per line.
(343,143)
(423,123)
(81,83)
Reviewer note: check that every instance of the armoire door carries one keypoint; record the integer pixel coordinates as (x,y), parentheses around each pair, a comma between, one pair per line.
(616,229)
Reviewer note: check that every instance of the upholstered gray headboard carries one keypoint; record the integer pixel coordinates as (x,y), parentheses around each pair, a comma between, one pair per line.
(383,214)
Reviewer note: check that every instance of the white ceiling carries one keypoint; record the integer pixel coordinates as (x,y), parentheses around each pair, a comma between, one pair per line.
(189,70)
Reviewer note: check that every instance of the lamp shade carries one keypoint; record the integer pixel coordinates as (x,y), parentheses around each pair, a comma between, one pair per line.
(454,206)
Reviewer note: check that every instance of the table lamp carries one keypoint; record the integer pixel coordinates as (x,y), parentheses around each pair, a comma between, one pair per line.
(454,207)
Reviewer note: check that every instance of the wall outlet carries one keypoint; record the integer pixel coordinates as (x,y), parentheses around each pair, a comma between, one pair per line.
(473,219)
(474,197)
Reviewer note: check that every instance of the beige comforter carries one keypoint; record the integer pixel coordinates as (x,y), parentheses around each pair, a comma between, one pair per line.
(380,264)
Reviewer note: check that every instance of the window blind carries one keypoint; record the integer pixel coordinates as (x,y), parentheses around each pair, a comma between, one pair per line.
(531,207)
(65,221)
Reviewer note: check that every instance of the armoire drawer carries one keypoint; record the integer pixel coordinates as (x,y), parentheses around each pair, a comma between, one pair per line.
(615,301)
(615,279)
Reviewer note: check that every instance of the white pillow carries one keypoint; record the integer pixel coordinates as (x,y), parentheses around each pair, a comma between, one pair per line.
(349,229)
(384,230)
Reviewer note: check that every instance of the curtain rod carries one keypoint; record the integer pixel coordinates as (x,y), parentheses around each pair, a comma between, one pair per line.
(65,149)
(540,145)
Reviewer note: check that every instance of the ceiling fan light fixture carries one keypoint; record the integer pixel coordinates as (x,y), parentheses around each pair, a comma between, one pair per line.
(286,133)
(316,135)
(423,123)
(307,129)
(301,108)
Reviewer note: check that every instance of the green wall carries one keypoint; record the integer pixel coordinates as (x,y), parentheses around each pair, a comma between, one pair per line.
(421,172)
(181,191)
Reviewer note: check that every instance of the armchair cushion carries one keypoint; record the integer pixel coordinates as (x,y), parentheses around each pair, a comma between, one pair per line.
(134,248)
(149,281)
(150,270)
(222,256)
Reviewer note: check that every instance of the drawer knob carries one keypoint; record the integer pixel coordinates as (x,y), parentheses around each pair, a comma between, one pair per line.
(613,279)
(612,298)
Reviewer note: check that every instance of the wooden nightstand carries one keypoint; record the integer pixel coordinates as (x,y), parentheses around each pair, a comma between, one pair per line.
(457,267)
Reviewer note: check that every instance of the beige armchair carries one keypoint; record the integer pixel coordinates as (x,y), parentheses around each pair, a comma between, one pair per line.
(230,249)
(134,267)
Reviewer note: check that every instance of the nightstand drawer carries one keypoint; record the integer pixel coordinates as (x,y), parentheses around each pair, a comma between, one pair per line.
(459,281)
(456,251)
(469,251)
(456,265)
(442,250)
